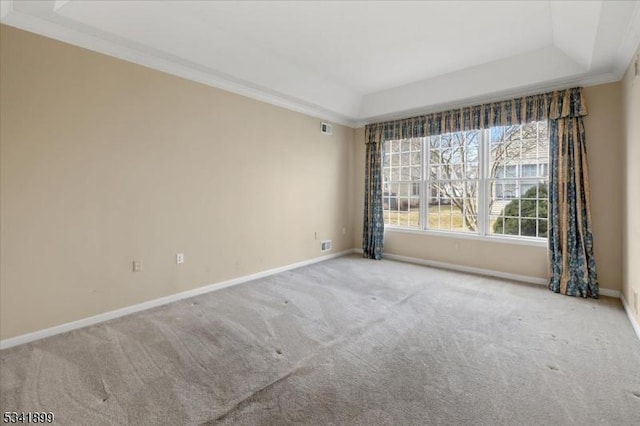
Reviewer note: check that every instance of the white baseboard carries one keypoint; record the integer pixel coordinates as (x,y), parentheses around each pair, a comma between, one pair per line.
(462,268)
(63,328)
(480,271)
(610,293)
(632,318)
(524,278)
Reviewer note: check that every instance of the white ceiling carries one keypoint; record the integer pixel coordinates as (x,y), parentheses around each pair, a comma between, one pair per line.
(354,62)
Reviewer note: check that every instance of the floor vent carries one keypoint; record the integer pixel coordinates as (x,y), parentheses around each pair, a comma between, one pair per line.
(325,245)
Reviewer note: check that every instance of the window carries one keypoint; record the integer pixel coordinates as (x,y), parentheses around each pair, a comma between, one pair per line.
(402,174)
(486,182)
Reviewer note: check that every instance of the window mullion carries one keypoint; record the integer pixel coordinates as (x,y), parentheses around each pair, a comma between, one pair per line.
(424,200)
(483,214)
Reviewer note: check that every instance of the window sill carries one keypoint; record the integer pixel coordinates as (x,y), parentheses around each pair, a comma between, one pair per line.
(535,242)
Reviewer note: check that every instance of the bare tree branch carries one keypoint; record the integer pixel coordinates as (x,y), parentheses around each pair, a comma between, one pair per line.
(454,181)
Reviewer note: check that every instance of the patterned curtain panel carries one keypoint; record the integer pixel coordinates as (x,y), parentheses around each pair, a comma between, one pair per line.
(373,233)
(570,238)
(573,267)
(513,111)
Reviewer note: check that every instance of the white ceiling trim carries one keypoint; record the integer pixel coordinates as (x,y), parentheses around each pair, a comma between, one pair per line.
(487,80)
(398,102)
(72,36)
(496,97)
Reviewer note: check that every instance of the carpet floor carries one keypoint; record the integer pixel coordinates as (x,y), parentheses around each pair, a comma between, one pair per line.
(347,341)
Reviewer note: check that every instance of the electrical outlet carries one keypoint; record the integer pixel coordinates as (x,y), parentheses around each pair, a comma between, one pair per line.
(179,258)
(137,265)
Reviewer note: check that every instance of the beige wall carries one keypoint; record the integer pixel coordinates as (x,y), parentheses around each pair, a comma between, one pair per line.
(603,129)
(631,187)
(604,150)
(104,162)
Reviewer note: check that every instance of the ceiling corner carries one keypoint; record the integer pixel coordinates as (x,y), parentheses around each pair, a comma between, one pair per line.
(575,29)
(59,4)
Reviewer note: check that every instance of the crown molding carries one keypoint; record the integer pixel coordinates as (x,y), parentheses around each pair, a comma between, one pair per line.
(56,31)
(9,15)
(586,81)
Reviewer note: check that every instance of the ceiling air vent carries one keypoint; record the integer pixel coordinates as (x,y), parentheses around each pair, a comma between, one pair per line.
(325,245)
(326,129)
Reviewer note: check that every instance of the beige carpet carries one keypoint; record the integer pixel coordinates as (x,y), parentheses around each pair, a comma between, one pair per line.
(345,342)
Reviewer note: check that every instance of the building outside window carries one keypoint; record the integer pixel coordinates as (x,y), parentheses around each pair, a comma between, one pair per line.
(490,182)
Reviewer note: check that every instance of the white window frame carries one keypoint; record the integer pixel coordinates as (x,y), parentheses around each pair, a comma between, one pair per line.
(484,187)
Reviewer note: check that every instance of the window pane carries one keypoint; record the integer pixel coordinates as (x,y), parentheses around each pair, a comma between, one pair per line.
(405,159)
(416,158)
(445,155)
(542,131)
(529,130)
(395,174)
(405,173)
(515,180)
(434,141)
(471,171)
(416,173)
(542,228)
(528,227)
(528,189)
(523,215)
(528,208)
(529,170)
(472,152)
(402,206)
(453,182)
(402,172)
(434,172)
(415,189)
(496,134)
(453,206)
(511,226)
(395,160)
(518,206)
